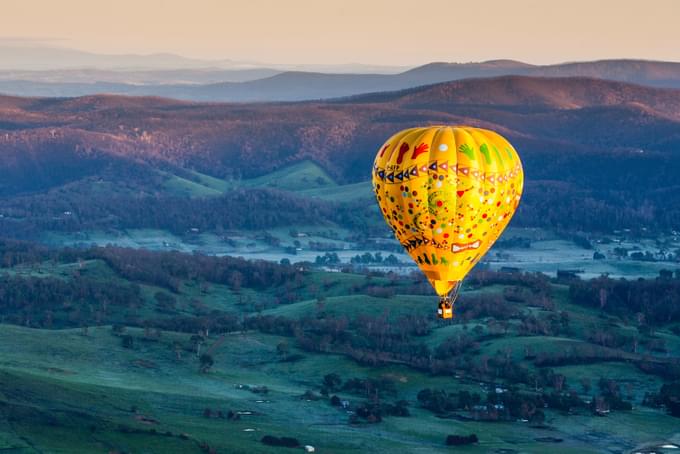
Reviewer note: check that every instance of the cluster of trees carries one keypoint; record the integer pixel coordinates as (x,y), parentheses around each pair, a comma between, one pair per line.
(441,401)
(367,387)
(283,442)
(210,413)
(161,268)
(652,301)
(382,339)
(369,259)
(85,298)
(373,411)
(28,216)
(168,269)
(581,207)
(329,258)
(375,407)
(511,404)
(513,242)
(461,440)
(53,302)
(508,404)
(668,397)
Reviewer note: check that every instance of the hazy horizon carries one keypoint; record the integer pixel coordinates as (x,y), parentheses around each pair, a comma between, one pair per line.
(47,44)
(349,32)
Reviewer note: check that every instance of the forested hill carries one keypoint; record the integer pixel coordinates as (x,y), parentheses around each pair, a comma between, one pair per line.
(604,152)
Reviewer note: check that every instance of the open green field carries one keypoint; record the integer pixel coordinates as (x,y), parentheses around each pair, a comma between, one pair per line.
(305,178)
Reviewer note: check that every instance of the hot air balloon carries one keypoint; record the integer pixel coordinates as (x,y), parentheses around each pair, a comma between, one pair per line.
(447,192)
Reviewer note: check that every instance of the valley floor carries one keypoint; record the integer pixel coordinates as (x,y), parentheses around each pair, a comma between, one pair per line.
(68,392)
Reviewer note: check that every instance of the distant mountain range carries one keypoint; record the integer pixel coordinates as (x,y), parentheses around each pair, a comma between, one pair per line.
(36,57)
(272,84)
(89,76)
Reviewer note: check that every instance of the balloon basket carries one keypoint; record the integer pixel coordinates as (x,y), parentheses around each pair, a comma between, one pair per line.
(445,308)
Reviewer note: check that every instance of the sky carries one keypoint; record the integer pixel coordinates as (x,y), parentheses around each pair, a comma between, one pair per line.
(376,32)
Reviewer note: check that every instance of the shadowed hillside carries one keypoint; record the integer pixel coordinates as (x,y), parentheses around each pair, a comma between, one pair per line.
(262,137)
(587,145)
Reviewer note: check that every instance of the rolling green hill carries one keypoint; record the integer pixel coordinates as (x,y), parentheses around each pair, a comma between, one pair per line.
(119,380)
(305,178)
(59,396)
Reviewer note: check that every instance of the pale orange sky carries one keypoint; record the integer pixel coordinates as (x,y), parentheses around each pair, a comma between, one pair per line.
(341,31)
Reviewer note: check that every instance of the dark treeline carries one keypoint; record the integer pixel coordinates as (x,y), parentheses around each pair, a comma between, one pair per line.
(49,302)
(653,301)
(139,204)
(28,216)
(574,207)
(83,299)
(168,269)
(161,268)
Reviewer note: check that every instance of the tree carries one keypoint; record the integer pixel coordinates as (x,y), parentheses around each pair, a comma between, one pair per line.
(332,381)
(178,349)
(127,341)
(197,341)
(206,361)
(282,349)
(165,301)
(235,281)
(537,417)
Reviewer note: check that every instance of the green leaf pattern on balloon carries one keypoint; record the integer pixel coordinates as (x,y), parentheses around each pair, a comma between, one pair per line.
(484,149)
(468,151)
(498,154)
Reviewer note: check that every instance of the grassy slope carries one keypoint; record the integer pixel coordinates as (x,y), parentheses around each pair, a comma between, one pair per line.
(103,382)
(63,391)
(342,193)
(303,175)
(84,381)
(304,178)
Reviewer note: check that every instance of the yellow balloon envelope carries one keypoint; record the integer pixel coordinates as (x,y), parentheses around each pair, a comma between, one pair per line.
(447,192)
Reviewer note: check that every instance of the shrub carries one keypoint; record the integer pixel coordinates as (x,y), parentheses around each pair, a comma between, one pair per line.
(459,440)
(284,442)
